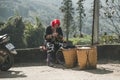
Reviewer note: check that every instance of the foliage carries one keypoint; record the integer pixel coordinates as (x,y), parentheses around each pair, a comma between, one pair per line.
(81,14)
(104,39)
(111,13)
(85,40)
(23,34)
(34,33)
(109,39)
(15,29)
(67,10)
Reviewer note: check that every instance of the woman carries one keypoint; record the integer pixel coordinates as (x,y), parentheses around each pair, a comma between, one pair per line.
(53,34)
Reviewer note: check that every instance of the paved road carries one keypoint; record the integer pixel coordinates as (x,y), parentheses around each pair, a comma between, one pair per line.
(37,71)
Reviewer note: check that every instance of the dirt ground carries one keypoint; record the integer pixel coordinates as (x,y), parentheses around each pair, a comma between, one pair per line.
(106,70)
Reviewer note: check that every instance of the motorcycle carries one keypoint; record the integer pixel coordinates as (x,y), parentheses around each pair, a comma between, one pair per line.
(7,52)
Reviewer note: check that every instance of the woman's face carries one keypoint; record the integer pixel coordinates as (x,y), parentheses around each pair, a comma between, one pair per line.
(55,26)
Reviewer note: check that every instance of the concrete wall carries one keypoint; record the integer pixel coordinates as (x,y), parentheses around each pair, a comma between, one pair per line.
(35,55)
(109,52)
(30,55)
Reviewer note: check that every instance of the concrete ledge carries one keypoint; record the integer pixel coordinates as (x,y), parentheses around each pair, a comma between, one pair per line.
(36,55)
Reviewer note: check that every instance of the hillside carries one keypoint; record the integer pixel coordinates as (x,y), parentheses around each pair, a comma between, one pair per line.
(29,9)
(46,10)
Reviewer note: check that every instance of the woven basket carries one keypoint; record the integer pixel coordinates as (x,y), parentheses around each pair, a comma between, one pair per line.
(70,57)
(87,57)
(93,57)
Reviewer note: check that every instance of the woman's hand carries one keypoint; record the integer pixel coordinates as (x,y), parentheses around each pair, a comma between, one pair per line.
(55,34)
(51,35)
(48,36)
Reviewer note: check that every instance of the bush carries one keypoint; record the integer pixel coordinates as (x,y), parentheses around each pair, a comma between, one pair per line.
(86,39)
(23,34)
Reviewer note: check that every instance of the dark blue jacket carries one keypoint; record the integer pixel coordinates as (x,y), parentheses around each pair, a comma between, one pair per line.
(49,32)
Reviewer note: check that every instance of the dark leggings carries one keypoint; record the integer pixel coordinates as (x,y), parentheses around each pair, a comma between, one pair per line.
(51,56)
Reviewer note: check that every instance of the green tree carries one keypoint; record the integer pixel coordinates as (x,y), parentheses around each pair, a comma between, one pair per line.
(34,33)
(81,15)
(15,29)
(67,11)
(29,29)
(110,12)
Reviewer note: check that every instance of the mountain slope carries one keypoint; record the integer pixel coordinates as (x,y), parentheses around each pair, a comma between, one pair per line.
(29,9)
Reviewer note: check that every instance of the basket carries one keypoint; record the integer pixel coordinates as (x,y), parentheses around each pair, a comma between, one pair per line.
(87,57)
(70,57)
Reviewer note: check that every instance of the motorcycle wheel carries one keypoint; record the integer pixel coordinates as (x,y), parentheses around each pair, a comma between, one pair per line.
(60,57)
(9,60)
